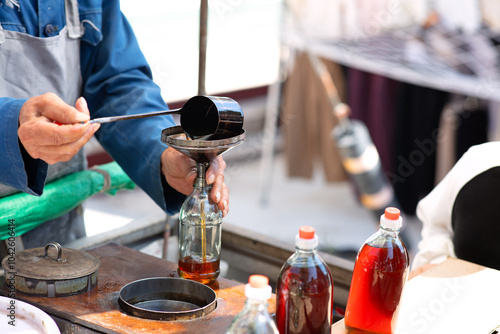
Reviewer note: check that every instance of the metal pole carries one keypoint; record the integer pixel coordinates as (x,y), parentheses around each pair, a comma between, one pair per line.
(274,97)
(203,47)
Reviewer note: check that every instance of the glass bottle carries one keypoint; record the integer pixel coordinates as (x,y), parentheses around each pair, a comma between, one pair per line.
(380,272)
(304,291)
(255,317)
(200,222)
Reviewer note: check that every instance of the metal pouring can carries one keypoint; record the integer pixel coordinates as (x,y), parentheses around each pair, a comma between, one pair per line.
(216,117)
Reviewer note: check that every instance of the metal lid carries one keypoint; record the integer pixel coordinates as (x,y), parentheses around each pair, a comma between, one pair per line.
(58,264)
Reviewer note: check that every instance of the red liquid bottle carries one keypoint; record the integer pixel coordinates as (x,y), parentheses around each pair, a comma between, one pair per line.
(304,291)
(380,272)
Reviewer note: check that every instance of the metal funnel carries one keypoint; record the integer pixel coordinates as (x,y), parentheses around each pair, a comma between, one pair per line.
(200,150)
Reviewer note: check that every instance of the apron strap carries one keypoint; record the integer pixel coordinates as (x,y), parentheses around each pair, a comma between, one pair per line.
(2,35)
(73,19)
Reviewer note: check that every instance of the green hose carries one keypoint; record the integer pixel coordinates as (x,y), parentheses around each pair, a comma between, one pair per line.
(26,212)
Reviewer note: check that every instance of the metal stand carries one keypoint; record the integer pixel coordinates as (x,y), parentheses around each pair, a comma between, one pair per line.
(202,61)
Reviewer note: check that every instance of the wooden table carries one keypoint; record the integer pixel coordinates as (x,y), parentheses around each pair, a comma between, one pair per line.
(99,312)
(450,270)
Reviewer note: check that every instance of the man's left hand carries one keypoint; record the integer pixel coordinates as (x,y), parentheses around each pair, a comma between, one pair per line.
(180,172)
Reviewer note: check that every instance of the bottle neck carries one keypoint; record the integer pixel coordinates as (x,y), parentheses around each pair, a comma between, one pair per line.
(306,245)
(200,182)
(390,226)
(256,304)
(393,232)
(304,250)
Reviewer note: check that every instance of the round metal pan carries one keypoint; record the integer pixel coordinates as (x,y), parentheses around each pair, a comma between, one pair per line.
(167,298)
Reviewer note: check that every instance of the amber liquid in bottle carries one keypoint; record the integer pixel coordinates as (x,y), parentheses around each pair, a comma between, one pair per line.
(199,233)
(304,300)
(201,271)
(378,277)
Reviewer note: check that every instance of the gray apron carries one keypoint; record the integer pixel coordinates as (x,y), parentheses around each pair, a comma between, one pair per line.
(44,65)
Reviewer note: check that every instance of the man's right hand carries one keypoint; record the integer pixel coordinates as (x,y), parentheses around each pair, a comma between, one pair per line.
(50,129)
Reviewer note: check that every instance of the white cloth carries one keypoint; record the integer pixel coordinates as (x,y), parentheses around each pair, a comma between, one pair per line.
(436,208)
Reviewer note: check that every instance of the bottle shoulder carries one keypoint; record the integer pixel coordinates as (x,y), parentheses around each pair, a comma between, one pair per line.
(198,205)
(381,239)
(303,258)
(309,273)
(384,254)
(254,318)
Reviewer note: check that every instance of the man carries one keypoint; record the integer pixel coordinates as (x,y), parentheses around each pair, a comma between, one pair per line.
(62,63)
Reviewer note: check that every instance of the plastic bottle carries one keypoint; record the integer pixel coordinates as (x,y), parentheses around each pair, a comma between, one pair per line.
(380,273)
(304,292)
(255,317)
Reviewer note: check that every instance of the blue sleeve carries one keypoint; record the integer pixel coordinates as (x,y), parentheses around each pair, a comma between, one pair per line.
(18,169)
(117,81)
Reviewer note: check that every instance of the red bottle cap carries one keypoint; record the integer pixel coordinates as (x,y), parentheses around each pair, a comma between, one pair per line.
(392,213)
(258,281)
(306,232)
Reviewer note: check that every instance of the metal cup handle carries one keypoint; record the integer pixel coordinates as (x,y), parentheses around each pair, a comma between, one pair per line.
(57,246)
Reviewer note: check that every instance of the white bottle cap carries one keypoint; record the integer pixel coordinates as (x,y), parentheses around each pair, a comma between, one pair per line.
(391,218)
(258,288)
(307,238)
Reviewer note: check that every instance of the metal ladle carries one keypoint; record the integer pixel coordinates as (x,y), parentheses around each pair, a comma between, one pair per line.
(201,117)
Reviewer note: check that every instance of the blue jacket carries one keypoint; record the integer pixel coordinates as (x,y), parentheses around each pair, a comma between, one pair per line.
(116,80)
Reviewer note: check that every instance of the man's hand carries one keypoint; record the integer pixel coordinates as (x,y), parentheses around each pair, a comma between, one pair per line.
(43,138)
(180,172)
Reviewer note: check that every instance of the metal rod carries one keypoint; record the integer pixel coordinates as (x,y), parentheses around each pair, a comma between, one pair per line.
(203,47)
(126,117)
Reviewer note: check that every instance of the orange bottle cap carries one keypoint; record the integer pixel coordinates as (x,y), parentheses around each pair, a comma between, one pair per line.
(258,281)
(392,213)
(306,232)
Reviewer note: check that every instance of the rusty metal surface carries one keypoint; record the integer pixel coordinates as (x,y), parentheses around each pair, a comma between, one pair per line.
(99,309)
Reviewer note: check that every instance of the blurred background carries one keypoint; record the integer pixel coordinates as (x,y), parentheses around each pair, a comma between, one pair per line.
(419,79)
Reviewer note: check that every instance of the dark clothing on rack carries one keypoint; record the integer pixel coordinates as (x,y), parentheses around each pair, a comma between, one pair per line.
(403,121)
(472,129)
(372,99)
(417,123)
